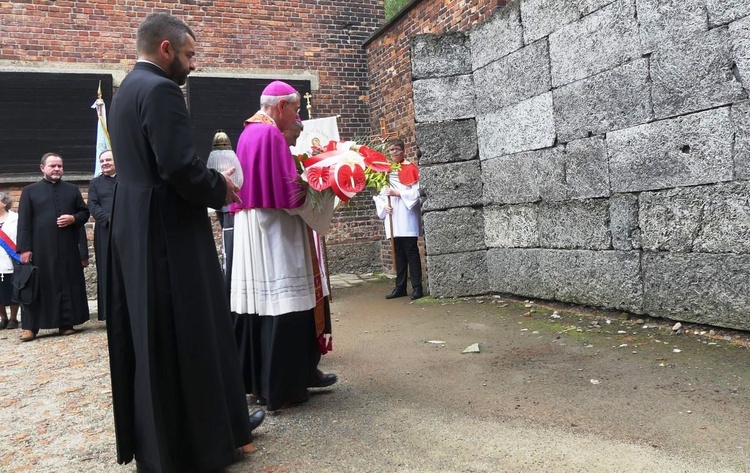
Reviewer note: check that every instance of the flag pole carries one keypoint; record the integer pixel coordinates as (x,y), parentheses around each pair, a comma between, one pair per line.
(322,239)
(99,114)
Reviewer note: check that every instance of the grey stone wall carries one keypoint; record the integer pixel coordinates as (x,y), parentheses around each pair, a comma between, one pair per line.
(594,152)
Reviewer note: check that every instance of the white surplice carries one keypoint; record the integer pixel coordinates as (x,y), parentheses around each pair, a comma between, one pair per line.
(272,272)
(406,209)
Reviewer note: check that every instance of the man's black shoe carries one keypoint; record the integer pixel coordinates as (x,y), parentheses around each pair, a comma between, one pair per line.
(256,418)
(323,381)
(417,294)
(396,293)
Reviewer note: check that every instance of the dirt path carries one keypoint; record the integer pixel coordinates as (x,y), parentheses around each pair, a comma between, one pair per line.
(545,394)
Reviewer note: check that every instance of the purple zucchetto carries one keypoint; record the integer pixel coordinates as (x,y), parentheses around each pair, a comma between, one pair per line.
(278,88)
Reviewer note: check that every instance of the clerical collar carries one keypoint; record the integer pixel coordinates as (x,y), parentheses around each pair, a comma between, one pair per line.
(155,64)
(51,182)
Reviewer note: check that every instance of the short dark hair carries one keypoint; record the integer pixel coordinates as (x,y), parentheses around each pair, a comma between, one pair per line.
(47,155)
(398,142)
(104,151)
(158,27)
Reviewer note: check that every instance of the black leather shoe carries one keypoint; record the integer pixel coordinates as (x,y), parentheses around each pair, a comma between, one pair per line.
(323,381)
(256,418)
(396,293)
(417,294)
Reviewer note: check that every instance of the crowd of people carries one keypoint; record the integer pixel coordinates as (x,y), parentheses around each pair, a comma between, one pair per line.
(187,342)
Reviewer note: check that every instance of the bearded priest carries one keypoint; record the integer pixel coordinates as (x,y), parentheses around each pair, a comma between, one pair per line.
(276,282)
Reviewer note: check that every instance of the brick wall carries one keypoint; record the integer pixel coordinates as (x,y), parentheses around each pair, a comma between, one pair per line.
(252,38)
(389,57)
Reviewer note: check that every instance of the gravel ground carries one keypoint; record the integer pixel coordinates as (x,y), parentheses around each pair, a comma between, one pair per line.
(555,388)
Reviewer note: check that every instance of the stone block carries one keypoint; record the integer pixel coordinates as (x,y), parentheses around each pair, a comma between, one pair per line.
(576,171)
(440,55)
(526,126)
(596,43)
(542,17)
(516,77)
(700,288)
(513,179)
(612,100)
(445,98)
(704,219)
(597,278)
(517,271)
(684,151)
(669,220)
(458,274)
(623,222)
(741,124)
(355,258)
(739,35)
(695,74)
(721,12)
(667,22)
(497,37)
(577,224)
(451,185)
(511,226)
(447,142)
(454,231)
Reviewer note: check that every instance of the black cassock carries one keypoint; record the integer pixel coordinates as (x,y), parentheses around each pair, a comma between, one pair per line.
(178,396)
(101,192)
(56,252)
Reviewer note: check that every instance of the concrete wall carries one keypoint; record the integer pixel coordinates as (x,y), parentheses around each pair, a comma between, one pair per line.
(594,152)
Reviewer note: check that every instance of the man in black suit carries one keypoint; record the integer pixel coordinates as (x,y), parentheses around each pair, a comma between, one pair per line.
(101,192)
(178,395)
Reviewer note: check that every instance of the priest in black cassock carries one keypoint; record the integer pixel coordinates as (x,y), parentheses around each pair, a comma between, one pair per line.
(178,396)
(51,213)
(101,192)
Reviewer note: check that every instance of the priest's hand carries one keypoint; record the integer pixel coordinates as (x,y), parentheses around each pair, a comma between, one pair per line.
(84,262)
(231,188)
(25,257)
(65,220)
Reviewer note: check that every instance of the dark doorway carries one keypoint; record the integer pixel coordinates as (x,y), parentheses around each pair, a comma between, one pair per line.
(225,103)
(43,112)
